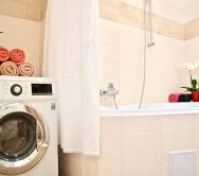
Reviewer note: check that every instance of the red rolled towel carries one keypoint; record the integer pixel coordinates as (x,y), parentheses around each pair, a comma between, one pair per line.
(4,54)
(174,97)
(17,56)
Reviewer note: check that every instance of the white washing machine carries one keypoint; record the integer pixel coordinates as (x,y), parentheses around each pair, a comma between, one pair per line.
(28,127)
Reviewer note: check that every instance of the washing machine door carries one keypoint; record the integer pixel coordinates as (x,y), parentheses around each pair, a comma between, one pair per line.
(24,138)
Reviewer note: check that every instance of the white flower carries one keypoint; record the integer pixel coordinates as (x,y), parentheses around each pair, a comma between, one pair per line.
(191,66)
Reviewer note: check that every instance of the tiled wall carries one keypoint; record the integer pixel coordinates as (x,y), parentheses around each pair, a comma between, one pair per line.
(122,63)
(135,146)
(170,9)
(122,54)
(130,15)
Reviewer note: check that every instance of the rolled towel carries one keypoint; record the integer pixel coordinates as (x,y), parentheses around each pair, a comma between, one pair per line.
(9,68)
(185,98)
(17,56)
(174,97)
(4,54)
(26,69)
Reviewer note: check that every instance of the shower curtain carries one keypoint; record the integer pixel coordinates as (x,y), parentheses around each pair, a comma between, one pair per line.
(71,58)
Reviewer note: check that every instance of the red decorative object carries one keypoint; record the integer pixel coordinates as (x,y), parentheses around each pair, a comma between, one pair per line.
(173,97)
(195,96)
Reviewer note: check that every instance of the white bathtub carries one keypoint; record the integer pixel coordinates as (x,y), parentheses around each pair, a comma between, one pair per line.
(152,109)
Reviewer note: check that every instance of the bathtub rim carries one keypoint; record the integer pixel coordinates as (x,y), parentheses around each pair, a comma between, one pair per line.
(160,110)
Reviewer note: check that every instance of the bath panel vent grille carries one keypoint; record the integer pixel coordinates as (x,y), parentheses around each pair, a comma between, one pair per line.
(182,163)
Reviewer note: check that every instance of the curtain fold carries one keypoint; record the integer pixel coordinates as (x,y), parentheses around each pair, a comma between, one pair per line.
(71,57)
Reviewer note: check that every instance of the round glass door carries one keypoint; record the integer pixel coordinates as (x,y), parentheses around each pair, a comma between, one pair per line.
(17,136)
(24,138)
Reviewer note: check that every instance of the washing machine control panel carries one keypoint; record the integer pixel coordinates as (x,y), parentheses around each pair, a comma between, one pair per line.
(26,89)
(16,89)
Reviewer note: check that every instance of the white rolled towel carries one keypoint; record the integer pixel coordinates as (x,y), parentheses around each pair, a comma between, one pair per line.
(26,69)
(9,68)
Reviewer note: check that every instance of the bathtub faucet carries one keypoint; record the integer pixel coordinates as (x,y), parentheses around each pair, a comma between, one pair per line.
(111,91)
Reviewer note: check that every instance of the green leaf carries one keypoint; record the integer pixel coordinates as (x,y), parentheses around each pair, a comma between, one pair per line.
(194,83)
(189,89)
(194,86)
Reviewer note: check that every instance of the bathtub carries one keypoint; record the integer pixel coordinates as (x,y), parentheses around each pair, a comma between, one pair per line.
(151,109)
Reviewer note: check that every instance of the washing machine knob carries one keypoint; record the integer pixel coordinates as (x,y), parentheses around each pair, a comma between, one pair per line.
(16,89)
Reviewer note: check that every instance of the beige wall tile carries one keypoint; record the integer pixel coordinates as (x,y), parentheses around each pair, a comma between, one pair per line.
(147,148)
(112,145)
(43,8)
(26,9)
(181,140)
(130,15)
(170,9)
(144,125)
(108,32)
(180,123)
(33,10)
(192,29)
(110,125)
(13,8)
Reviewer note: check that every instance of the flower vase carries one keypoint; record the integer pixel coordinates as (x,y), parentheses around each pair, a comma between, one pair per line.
(195,96)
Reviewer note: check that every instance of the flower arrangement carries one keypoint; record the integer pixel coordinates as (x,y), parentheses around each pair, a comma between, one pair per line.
(191,67)
(194,88)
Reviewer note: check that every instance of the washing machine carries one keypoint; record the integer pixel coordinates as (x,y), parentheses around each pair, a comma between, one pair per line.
(28,127)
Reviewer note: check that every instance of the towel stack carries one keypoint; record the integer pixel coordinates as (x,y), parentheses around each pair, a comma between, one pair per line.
(13,63)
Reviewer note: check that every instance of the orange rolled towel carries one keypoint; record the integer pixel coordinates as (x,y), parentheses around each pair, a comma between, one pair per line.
(4,54)
(17,56)
(9,68)
(26,69)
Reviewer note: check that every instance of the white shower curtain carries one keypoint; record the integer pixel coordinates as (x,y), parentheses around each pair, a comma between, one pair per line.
(71,58)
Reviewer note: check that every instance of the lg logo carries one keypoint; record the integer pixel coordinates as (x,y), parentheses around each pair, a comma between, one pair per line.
(53,106)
